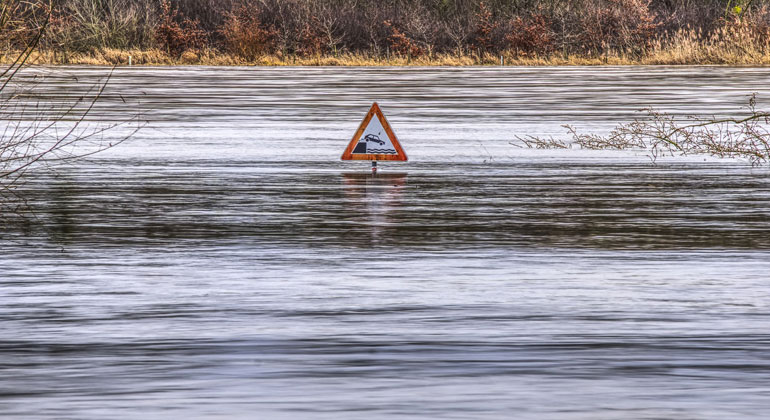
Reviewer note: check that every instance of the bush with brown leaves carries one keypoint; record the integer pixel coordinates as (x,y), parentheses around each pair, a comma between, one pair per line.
(401,44)
(246,35)
(176,33)
(531,35)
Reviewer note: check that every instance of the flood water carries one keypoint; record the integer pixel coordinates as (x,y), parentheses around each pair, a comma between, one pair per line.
(223,263)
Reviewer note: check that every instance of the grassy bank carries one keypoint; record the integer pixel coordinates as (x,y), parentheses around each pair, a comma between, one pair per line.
(684,49)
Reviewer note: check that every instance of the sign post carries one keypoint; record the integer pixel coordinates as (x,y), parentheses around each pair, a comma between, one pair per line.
(374,140)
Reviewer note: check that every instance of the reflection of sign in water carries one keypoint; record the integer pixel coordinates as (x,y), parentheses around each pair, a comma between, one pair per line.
(371,201)
(374,139)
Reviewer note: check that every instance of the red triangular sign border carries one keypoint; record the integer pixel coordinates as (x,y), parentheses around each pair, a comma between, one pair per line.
(374,110)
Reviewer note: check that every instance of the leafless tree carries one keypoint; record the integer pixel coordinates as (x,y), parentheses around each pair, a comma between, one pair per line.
(459,30)
(36,130)
(331,26)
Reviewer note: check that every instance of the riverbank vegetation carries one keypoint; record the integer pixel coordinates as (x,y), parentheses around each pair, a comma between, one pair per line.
(400,32)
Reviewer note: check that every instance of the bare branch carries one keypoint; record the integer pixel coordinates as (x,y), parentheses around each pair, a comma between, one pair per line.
(662,134)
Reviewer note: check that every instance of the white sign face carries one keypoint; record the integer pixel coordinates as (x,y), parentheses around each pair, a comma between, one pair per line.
(375,140)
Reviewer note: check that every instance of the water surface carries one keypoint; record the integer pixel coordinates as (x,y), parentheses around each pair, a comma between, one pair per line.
(223,263)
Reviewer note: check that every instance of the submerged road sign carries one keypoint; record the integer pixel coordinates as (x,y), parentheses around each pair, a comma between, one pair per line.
(374,139)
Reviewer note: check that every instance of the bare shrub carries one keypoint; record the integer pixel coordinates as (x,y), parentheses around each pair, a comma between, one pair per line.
(616,26)
(22,25)
(332,26)
(210,14)
(88,25)
(675,15)
(458,30)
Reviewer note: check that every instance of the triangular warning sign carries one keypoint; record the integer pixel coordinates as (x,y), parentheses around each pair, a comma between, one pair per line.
(374,139)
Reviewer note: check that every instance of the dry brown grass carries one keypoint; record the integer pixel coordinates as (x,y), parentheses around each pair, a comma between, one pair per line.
(727,46)
(739,47)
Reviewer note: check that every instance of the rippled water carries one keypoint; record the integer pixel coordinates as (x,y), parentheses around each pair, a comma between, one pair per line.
(223,263)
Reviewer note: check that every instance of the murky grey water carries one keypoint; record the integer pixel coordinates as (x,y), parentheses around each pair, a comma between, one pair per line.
(225,264)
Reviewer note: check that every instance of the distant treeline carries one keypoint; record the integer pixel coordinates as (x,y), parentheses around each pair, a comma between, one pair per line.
(407,28)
